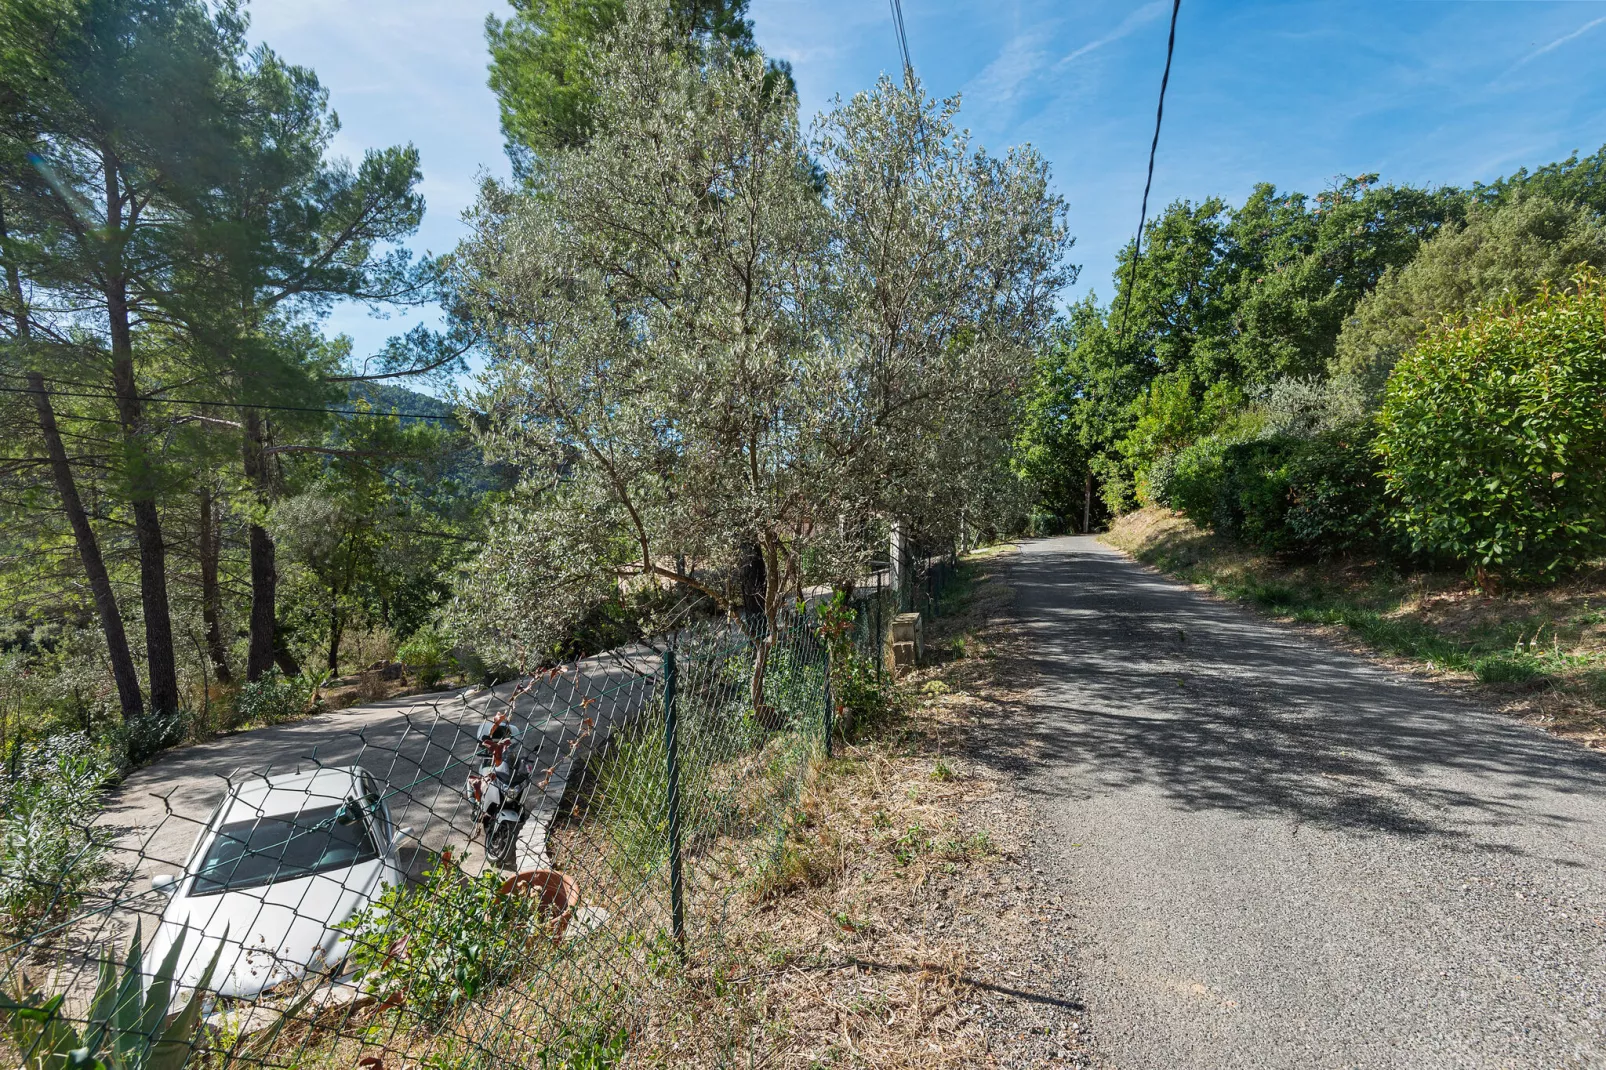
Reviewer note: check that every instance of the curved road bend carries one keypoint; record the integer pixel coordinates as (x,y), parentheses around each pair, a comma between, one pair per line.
(1280,855)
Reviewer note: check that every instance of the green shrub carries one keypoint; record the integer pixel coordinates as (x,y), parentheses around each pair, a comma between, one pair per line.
(1252,497)
(428,653)
(1042,523)
(1337,501)
(1193,479)
(1493,433)
(138,741)
(859,694)
(1158,485)
(50,853)
(275,698)
(435,947)
(794,684)
(1283,493)
(1507,668)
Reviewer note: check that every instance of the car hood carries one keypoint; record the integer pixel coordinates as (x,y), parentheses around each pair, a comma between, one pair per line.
(269,934)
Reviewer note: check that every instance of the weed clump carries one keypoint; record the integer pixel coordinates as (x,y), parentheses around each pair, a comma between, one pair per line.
(1507,669)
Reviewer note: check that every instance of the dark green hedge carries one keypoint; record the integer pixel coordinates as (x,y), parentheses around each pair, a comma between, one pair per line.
(1280,493)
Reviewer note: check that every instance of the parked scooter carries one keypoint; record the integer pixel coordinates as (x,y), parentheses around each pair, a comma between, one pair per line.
(498,788)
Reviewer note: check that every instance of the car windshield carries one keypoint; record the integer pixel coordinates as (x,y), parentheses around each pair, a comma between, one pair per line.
(268,849)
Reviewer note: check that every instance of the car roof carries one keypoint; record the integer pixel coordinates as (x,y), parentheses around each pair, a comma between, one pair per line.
(290,793)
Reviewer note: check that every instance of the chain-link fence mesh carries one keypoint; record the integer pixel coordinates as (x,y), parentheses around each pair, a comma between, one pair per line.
(486,878)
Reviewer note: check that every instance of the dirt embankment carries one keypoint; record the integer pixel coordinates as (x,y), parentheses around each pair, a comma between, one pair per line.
(1535,652)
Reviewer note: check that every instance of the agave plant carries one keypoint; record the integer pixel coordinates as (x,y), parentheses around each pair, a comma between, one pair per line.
(127,1027)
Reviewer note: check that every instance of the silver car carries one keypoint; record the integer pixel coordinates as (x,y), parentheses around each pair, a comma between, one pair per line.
(284,861)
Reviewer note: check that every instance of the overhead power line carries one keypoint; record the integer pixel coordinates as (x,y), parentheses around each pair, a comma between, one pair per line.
(1143,212)
(147,400)
(903,39)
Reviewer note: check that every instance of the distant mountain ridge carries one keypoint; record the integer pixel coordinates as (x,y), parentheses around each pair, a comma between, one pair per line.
(387,397)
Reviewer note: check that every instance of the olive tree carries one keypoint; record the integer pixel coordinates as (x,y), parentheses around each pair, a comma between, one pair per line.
(946,263)
(699,337)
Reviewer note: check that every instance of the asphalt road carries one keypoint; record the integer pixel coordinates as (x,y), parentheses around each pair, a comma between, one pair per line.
(1281,855)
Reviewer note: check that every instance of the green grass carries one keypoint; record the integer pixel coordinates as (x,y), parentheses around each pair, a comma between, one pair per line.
(1507,668)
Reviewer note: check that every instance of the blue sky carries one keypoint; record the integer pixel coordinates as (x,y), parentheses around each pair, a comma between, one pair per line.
(1293,93)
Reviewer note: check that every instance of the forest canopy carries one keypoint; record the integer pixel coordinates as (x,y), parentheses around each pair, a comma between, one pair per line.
(1239,369)
(721,359)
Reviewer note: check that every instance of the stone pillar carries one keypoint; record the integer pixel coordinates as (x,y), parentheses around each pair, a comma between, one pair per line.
(908,642)
(898,568)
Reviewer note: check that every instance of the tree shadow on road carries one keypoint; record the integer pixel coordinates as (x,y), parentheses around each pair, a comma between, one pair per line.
(1143,682)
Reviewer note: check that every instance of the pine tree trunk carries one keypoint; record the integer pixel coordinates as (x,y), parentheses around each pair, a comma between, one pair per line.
(282,657)
(124,674)
(336,627)
(160,658)
(264,567)
(211,597)
(100,586)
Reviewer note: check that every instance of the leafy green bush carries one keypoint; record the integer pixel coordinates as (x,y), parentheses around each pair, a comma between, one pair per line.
(859,694)
(1252,498)
(794,685)
(435,947)
(1194,478)
(1283,493)
(1493,433)
(51,856)
(275,698)
(1158,485)
(1508,249)
(1041,523)
(428,652)
(1337,501)
(143,738)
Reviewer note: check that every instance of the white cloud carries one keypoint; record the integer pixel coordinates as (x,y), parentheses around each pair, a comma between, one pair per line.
(1147,13)
(999,84)
(1557,43)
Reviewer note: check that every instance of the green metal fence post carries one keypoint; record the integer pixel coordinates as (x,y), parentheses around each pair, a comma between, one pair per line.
(830,712)
(879,639)
(677,895)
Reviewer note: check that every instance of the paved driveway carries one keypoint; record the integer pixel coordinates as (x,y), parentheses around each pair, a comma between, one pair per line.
(420,748)
(1284,856)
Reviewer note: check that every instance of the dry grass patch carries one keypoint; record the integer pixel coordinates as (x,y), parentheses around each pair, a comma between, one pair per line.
(891,921)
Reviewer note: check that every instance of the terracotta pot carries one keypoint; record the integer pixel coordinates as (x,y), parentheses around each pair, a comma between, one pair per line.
(558,896)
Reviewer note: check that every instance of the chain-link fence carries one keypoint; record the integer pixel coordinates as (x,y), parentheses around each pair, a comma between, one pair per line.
(485,878)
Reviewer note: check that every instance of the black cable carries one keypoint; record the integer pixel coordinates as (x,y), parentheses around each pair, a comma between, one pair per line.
(232,405)
(1143,213)
(903,38)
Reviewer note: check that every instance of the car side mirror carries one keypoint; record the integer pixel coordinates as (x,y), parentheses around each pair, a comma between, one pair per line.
(403,833)
(164,883)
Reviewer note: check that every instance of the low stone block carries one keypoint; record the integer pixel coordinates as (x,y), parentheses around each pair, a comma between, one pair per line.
(903,656)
